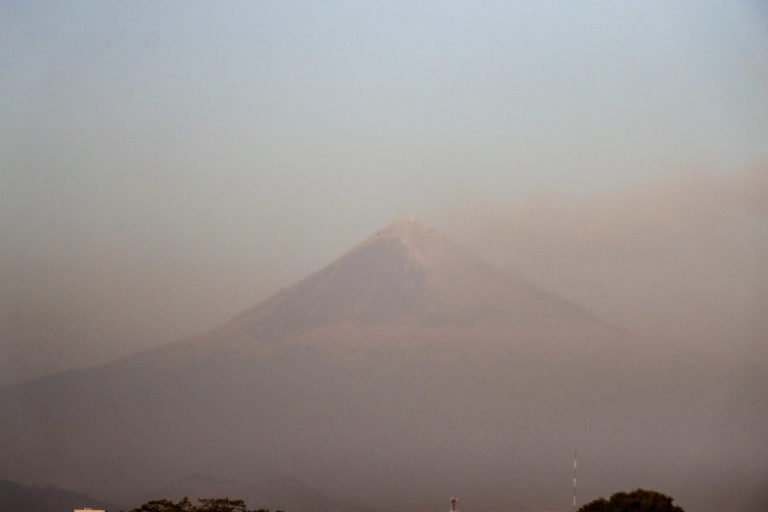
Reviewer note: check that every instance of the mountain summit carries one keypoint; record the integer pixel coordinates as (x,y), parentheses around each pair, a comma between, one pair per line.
(405,360)
(406,273)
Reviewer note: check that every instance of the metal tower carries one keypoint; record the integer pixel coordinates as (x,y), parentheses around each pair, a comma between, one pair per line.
(575,466)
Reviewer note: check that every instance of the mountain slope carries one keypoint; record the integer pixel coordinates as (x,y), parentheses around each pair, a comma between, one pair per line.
(404,274)
(406,368)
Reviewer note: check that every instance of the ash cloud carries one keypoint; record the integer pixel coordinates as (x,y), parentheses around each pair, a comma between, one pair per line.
(681,259)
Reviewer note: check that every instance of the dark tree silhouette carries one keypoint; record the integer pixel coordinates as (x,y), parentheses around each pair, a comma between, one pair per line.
(638,500)
(205,505)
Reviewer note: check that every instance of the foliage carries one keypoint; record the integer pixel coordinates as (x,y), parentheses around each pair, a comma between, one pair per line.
(638,500)
(205,505)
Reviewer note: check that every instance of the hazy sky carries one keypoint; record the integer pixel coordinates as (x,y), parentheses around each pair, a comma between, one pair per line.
(166,164)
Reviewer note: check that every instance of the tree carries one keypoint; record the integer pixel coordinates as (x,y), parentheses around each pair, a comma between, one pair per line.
(638,500)
(165,506)
(205,505)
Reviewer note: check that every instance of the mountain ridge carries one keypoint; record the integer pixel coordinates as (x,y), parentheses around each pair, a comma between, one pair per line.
(382,369)
(415,257)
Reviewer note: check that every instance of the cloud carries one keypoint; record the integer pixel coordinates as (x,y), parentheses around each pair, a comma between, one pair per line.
(684,256)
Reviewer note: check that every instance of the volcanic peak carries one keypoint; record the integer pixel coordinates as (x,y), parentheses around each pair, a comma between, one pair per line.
(406,228)
(414,236)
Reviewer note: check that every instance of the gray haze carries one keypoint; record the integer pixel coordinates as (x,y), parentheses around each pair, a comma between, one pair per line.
(681,259)
(165,166)
(405,370)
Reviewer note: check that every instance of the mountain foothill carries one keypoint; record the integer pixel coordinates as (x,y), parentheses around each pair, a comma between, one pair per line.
(402,373)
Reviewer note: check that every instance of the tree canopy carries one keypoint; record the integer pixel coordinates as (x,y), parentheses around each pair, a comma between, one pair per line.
(204,505)
(638,500)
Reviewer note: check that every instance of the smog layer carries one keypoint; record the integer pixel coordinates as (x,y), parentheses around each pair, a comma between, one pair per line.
(368,257)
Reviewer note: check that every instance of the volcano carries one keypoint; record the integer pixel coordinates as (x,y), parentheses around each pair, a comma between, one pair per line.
(405,368)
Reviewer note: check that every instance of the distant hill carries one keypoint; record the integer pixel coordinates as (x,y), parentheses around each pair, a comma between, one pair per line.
(19,498)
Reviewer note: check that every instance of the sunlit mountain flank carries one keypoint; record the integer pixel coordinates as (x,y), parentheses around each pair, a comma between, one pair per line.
(405,368)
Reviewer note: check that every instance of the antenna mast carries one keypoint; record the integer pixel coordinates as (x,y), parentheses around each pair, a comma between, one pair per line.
(575,466)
